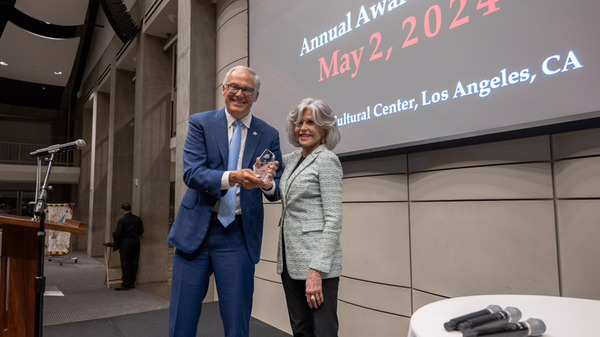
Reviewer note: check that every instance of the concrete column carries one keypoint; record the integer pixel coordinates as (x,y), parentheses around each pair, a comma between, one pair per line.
(151,155)
(120,141)
(110,158)
(81,211)
(196,72)
(98,209)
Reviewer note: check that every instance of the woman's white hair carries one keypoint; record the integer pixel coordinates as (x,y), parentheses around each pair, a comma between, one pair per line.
(323,117)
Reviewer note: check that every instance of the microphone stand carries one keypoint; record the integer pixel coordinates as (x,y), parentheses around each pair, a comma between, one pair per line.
(40,280)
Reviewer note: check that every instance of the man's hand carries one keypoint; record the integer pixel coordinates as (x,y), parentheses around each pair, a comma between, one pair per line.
(245,178)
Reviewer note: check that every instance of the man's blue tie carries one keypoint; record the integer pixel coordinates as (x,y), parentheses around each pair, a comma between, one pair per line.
(227,206)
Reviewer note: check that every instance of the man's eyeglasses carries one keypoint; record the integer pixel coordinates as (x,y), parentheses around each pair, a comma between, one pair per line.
(234,88)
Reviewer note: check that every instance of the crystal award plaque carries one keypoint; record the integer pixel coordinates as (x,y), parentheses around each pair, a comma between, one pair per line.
(266,158)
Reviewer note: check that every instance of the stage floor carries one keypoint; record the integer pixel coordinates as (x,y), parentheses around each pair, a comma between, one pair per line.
(78,303)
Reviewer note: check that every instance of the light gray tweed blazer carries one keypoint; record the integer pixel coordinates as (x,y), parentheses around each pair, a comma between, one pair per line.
(311,220)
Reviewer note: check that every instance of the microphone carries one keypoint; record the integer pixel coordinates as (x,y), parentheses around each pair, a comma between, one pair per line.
(531,327)
(78,144)
(508,315)
(453,323)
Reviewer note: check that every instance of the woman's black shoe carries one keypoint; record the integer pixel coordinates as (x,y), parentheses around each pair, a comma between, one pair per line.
(122,288)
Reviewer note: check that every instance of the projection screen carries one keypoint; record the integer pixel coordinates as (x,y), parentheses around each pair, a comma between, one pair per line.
(411,72)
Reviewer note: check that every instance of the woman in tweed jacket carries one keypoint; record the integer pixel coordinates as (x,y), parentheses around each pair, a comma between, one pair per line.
(309,255)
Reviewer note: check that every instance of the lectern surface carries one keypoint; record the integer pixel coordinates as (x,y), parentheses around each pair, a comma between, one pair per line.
(71,226)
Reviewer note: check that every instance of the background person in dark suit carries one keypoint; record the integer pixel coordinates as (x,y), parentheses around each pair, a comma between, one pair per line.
(205,241)
(309,258)
(127,240)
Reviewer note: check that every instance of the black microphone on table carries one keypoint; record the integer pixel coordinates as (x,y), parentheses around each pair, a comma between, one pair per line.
(530,327)
(508,315)
(453,323)
(78,144)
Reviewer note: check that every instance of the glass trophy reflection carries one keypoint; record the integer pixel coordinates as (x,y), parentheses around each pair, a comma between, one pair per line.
(261,169)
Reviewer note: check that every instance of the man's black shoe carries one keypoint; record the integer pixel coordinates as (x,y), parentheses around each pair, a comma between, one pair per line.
(122,288)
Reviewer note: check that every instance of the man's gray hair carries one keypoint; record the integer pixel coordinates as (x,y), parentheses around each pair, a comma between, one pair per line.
(248,69)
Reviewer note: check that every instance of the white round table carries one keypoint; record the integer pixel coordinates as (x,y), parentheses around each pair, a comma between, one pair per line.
(563,316)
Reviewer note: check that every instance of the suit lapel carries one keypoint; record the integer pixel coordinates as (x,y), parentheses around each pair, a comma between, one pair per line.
(221,136)
(252,139)
(307,161)
(284,181)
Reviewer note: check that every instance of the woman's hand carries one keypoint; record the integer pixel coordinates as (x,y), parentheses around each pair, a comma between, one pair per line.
(314,289)
(266,173)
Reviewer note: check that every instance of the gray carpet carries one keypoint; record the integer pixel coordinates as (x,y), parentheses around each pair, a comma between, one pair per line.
(154,324)
(86,297)
(88,308)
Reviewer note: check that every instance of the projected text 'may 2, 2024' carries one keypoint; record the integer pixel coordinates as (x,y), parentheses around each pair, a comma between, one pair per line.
(432,21)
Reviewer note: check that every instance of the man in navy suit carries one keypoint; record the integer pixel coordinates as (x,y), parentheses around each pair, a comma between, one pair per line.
(204,244)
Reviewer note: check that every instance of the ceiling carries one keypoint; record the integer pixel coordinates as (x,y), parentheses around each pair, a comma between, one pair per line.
(35,58)
(43,45)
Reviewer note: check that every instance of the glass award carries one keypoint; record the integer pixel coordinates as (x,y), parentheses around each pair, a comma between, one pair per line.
(261,169)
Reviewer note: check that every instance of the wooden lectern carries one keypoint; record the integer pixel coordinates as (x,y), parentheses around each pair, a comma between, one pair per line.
(19,269)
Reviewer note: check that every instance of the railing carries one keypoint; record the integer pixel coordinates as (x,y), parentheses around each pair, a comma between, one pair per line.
(18,154)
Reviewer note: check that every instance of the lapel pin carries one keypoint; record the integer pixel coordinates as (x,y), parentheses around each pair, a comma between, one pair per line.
(254,133)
